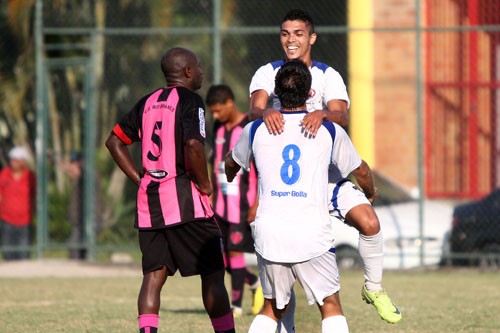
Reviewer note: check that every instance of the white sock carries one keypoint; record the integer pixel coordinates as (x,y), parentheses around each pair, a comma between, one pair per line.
(262,324)
(337,324)
(287,322)
(371,250)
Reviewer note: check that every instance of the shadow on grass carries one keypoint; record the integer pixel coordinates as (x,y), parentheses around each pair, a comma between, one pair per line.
(192,311)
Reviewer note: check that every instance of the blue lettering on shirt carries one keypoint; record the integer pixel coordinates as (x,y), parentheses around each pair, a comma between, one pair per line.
(284,194)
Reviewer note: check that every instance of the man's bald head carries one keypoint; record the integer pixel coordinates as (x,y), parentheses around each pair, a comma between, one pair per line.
(179,66)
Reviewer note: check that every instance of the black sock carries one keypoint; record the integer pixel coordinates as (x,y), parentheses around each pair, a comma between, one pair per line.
(237,285)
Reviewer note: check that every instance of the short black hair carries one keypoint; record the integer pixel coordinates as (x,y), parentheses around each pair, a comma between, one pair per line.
(292,84)
(299,15)
(219,94)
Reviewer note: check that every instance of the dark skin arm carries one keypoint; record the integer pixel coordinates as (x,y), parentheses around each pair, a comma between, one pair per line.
(258,109)
(121,155)
(231,167)
(197,162)
(253,210)
(364,178)
(337,113)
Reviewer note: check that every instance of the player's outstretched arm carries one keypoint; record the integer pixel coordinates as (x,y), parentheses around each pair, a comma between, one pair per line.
(119,151)
(231,167)
(197,162)
(258,109)
(364,178)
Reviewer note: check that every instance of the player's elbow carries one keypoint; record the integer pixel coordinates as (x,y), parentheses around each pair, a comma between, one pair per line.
(362,171)
(113,143)
(343,119)
(253,115)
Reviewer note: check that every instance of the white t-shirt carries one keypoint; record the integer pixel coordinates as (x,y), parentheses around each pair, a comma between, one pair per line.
(292,222)
(327,84)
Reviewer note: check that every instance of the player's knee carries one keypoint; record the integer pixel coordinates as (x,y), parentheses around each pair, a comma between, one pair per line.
(331,306)
(371,226)
(279,313)
(155,279)
(364,219)
(214,278)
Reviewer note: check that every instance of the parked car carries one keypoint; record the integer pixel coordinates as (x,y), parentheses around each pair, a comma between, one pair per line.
(475,232)
(398,213)
(401,231)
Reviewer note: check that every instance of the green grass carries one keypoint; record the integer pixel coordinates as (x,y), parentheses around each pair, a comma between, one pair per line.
(438,301)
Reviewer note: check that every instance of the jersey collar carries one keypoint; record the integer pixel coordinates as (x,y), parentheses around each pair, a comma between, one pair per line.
(290,112)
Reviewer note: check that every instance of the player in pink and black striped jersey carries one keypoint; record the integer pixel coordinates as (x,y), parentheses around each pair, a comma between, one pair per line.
(234,203)
(177,228)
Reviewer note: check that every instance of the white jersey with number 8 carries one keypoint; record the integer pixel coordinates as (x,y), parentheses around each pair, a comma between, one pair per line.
(292,222)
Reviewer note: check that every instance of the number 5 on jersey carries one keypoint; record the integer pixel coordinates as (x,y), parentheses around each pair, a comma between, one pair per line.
(156,139)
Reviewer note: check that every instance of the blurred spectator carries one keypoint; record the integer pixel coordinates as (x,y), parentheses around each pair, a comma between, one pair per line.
(17,203)
(74,170)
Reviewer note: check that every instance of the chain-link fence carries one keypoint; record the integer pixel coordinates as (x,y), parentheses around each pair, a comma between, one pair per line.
(423,78)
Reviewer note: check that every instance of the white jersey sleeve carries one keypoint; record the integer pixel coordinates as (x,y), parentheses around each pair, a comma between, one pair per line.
(242,152)
(327,85)
(263,79)
(334,87)
(344,157)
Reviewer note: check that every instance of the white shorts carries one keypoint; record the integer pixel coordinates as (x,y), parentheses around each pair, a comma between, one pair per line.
(344,195)
(318,276)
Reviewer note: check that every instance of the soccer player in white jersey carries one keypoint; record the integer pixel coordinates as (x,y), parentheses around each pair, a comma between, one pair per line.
(328,100)
(292,229)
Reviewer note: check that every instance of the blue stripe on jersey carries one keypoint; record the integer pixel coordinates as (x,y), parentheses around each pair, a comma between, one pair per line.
(335,195)
(253,129)
(331,129)
(323,67)
(277,64)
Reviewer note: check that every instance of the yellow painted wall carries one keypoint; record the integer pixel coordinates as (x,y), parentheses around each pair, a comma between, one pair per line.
(360,89)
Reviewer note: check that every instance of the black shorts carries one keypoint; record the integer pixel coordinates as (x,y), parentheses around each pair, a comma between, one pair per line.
(193,248)
(237,236)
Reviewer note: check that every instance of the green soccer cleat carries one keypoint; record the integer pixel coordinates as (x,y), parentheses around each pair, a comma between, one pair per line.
(387,310)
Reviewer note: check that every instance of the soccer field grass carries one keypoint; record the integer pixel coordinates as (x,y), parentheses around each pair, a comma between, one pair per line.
(437,301)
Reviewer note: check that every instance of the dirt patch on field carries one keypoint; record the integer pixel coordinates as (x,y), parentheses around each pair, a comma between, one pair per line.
(64,268)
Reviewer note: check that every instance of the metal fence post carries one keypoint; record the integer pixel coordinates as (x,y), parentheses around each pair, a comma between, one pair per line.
(89,152)
(217,52)
(420,158)
(41,132)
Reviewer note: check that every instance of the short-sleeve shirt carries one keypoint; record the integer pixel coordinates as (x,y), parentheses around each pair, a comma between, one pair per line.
(231,201)
(292,222)
(163,121)
(17,197)
(327,84)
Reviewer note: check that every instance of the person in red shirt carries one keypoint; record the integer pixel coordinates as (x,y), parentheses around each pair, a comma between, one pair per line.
(17,202)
